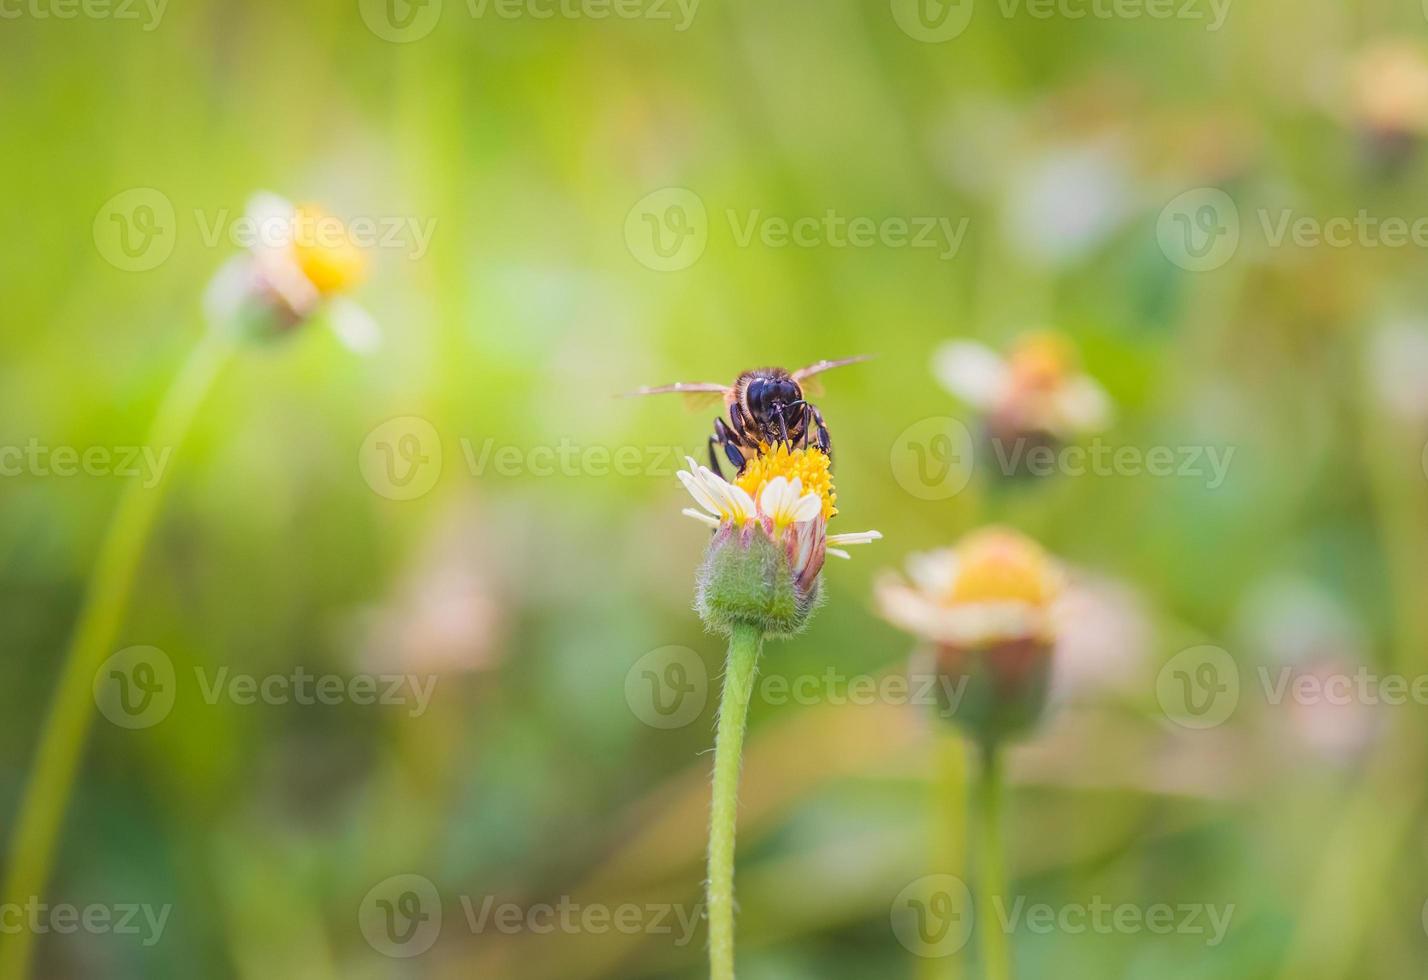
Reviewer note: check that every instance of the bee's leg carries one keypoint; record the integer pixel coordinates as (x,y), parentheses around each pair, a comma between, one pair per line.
(739,427)
(727,439)
(714,456)
(825,442)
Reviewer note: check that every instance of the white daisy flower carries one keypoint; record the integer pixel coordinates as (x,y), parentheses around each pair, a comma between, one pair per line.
(784,497)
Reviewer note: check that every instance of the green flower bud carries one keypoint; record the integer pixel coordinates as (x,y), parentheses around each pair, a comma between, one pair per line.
(748,579)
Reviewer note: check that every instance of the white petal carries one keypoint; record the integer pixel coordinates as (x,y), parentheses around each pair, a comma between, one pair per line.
(717,489)
(1084,405)
(700,516)
(855,537)
(227,290)
(744,504)
(971,371)
(354,326)
(774,499)
(266,209)
(701,494)
(904,606)
(807,507)
(838,553)
(933,572)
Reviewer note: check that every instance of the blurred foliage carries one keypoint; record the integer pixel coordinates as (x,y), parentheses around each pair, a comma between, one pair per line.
(526,142)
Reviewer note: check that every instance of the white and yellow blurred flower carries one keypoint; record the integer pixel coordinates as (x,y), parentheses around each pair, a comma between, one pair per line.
(995,586)
(986,613)
(301,262)
(1036,389)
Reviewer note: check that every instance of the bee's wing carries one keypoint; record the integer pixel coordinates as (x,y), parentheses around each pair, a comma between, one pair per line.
(697,394)
(804,373)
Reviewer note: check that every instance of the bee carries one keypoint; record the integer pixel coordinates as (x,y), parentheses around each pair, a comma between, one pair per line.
(766,407)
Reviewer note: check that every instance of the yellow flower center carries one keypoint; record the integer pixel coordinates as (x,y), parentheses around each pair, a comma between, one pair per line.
(1041,361)
(998,565)
(811,466)
(325,252)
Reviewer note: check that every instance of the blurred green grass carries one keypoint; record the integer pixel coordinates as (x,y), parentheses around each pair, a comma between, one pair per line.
(527,142)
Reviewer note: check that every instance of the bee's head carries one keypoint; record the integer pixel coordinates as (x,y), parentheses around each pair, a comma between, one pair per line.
(773,401)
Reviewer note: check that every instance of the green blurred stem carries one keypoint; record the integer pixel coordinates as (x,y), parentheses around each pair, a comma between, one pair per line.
(948,847)
(744,644)
(62,737)
(991,858)
(1344,897)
